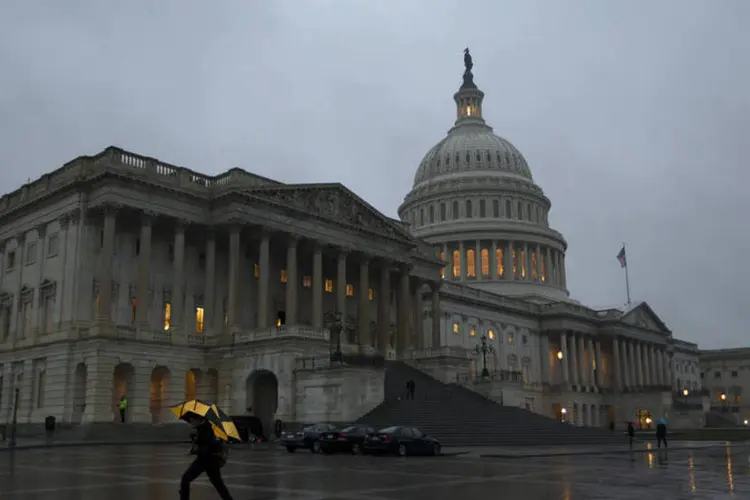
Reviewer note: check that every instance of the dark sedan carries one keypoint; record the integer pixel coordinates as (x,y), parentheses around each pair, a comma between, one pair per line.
(348,440)
(402,441)
(308,438)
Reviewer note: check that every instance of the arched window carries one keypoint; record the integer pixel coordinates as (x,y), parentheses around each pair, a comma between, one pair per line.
(485,257)
(519,213)
(507,209)
(499,262)
(456,264)
(471,271)
(455,210)
(468,209)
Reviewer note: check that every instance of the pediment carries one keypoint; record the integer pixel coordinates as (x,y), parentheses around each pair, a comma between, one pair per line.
(643,316)
(333,202)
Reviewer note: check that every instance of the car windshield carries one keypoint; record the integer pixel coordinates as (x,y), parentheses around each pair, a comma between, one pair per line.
(349,429)
(388,430)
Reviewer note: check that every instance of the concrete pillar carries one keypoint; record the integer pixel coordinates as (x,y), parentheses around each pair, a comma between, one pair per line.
(574,361)
(292,281)
(436,341)
(209,294)
(384,308)
(632,372)
(178,278)
(404,313)
(562,271)
(317,292)
(462,261)
(547,265)
(418,308)
(591,362)
(104,278)
(618,364)
(508,257)
(493,261)
(341,284)
(233,279)
(264,276)
(363,311)
(527,262)
(599,370)
(478,260)
(582,364)
(538,265)
(544,357)
(565,358)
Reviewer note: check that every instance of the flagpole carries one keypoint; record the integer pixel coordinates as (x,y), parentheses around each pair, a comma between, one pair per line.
(627,278)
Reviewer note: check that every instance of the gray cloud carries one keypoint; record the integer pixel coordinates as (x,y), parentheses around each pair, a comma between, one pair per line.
(632,115)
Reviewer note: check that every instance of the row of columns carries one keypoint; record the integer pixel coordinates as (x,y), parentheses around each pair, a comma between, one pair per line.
(581,360)
(408,299)
(549,265)
(639,364)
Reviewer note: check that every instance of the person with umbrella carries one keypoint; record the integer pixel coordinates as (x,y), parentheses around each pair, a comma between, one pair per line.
(661,432)
(212,429)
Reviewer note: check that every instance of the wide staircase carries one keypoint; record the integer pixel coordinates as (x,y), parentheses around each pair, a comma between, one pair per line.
(110,432)
(458,416)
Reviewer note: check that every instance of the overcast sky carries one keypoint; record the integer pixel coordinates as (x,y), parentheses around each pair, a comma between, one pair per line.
(633,115)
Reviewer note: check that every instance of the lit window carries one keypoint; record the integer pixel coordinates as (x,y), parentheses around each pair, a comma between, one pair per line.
(283,275)
(468,110)
(40,387)
(543,267)
(371,294)
(491,334)
(329,286)
(256,271)
(456,328)
(198,320)
(306,281)
(534,272)
(511,338)
(473,331)
(167,309)
(456,263)
(133,307)
(522,263)
(278,322)
(515,264)
(442,269)
(499,262)
(485,258)
(350,290)
(471,270)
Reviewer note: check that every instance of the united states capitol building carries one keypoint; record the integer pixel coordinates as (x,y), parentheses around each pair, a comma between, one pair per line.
(124,275)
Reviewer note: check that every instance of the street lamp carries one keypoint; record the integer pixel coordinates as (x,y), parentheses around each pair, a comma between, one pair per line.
(559,355)
(12,442)
(337,328)
(483,349)
(685,393)
(563,412)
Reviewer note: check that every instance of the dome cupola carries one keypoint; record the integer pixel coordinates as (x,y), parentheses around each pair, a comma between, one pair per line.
(475,199)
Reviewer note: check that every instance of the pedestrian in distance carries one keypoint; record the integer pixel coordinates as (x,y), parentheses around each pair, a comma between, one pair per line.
(631,433)
(661,432)
(209,458)
(410,386)
(123,408)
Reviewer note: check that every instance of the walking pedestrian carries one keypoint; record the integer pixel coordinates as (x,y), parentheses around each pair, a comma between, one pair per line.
(208,458)
(123,408)
(631,433)
(661,432)
(410,389)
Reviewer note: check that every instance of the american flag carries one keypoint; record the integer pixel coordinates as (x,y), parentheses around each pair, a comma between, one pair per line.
(621,258)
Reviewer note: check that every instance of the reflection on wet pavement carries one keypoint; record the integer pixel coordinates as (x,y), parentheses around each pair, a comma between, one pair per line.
(153,472)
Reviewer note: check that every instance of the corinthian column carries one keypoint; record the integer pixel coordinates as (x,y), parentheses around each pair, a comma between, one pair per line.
(384,308)
(292,281)
(317,292)
(404,313)
(178,281)
(264,274)
(104,311)
(435,287)
(363,310)
(209,300)
(233,278)
(418,310)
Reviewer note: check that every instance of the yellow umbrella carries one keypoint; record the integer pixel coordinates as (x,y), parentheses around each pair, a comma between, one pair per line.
(221,423)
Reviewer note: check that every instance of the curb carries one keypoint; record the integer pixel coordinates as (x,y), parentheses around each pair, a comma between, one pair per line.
(64,444)
(602,452)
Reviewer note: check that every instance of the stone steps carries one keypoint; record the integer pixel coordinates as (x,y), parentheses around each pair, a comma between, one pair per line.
(460,417)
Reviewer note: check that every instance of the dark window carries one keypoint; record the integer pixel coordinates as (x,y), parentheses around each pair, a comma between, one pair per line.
(458,158)
(468,209)
(468,158)
(717,375)
(519,214)
(170,252)
(137,246)
(482,209)
(202,261)
(703,375)
(432,214)
(495,208)
(447,160)
(479,157)
(489,156)
(734,374)
(421,216)
(442,212)
(455,210)
(507,209)
(11,259)
(101,238)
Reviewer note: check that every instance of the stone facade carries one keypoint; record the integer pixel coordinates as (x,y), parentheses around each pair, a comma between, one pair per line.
(725,375)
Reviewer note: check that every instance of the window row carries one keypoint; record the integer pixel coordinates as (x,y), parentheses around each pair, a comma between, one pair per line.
(26,311)
(536,265)
(30,252)
(469,209)
(511,336)
(328,284)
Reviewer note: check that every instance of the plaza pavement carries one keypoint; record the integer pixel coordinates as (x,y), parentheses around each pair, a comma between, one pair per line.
(152,473)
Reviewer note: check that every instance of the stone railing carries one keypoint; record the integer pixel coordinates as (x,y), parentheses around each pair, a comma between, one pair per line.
(118,159)
(564,307)
(281,332)
(515,377)
(440,352)
(338,360)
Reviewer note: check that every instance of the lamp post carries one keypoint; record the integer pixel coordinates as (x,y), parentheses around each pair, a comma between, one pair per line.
(14,422)
(563,412)
(685,393)
(723,398)
(337,328)
(483,349)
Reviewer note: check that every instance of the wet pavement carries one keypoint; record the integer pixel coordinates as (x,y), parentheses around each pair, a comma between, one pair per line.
(153,472)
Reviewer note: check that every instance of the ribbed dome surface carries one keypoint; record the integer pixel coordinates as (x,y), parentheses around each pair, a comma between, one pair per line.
(472,148)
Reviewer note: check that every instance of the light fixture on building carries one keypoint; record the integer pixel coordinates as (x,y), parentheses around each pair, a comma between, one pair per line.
(559,355)
(723,397)
(685,392)
(745,422)
(564,411)
(648,420)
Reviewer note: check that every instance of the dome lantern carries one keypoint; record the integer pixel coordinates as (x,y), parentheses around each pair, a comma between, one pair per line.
(469,97)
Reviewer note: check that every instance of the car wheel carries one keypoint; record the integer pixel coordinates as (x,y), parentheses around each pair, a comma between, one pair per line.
(315,447)
(436,450)
(402,450)
(356,449)
(291,449)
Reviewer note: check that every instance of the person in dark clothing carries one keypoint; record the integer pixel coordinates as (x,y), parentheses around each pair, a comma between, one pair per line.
(631,433)
(661,432)
(208,459)
(410,389)
(612,426)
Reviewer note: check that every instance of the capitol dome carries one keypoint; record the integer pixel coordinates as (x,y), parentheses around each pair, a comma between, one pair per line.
(474,199)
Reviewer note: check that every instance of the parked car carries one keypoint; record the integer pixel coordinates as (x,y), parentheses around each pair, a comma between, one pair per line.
(308,438)
(402,441)
(350,439)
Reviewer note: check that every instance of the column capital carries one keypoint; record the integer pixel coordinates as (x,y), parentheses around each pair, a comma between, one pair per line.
(75,215)
(64,220)
(41,231)
(20,238)
(181,224)
(111,208)
(435,285)
(292,238)
(148,217)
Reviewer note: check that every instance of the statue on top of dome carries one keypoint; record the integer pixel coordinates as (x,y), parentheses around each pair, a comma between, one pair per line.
(468,63)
